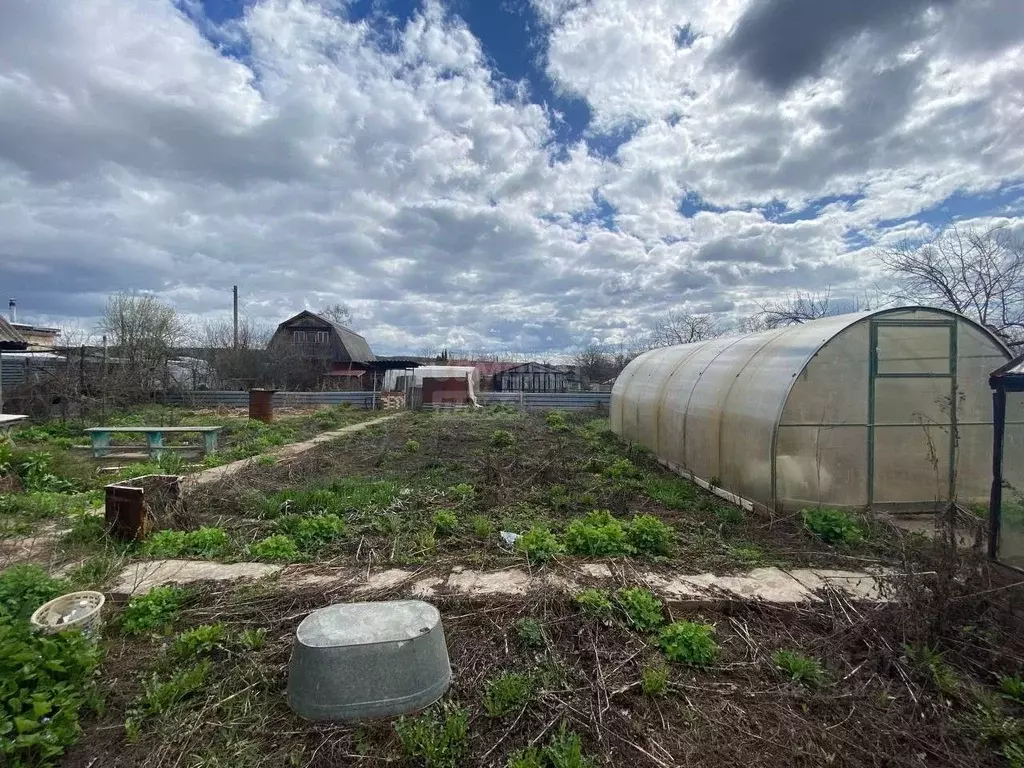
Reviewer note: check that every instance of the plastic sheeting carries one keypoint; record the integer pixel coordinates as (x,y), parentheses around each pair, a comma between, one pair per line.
(853,410)
(412,378)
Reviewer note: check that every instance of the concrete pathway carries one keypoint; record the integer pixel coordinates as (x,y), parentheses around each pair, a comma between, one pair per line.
(773,585)
(284,452)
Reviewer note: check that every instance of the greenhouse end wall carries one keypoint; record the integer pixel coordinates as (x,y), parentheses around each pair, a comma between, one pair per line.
(849,411)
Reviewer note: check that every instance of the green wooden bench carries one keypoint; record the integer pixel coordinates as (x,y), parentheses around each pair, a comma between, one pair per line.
(101,446)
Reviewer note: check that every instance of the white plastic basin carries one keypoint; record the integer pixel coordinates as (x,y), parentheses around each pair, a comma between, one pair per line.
(360,660)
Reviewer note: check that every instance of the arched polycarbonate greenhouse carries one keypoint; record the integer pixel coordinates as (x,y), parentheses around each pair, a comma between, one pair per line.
(861,410)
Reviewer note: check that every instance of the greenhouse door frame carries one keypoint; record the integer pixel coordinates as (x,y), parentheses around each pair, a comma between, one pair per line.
(874,375)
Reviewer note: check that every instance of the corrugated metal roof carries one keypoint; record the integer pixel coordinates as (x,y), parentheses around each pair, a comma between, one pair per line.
(10,339)
(357,347)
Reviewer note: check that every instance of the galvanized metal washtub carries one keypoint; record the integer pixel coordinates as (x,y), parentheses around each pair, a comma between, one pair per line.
(353,661)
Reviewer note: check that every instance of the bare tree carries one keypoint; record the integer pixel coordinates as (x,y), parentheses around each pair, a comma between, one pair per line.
(245,365)
(978,273)
(799,307)
(337,313)
(677,327)
(143,332)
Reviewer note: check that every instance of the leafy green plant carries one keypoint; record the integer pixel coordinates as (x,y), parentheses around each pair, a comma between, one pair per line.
(728,515)
(507,693)
(648,535)
(310,532)
(412,446)
(598,534)
(565,750)
(462,491)
(437,737)
(672,491)
(153,611)
(23,588)
(252,639)
(200,641)
(1011,687)
(622,469)
(833,526)
(689,642)
(931,663)
(538,544)
(502,438)
(596,603)
(45,682)
(531,757)
(483,528)
(556,421)
(204,542)
(445,522)
(641,608)
(530,633)
(277,548)
(161,696)
(654,680)
(799,668)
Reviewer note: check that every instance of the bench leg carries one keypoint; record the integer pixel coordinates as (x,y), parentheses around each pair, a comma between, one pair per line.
(156,444)
(210,441)
(100,444)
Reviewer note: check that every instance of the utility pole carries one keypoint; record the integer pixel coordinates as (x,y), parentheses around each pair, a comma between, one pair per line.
(234,302)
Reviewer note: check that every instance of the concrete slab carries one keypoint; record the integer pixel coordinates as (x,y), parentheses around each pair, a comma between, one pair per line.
(425,588)
(857,585)
(142,577)
(304,576)
(384,580)
(509,582)
(34,549)
(596,570)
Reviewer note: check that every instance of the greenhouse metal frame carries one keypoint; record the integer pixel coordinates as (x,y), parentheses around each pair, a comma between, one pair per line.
(889,408)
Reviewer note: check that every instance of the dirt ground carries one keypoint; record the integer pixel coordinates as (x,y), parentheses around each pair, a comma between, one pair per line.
(911,681)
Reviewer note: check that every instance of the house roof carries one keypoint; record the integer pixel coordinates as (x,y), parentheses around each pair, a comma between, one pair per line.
(1009,376)
(357,347)
(484,368)
(10,339)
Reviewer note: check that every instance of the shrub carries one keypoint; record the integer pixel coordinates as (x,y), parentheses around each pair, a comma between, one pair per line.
(311,532)
(598,534)
(201,641)
(278,548)
(507,693)
(437,738)
(155,610)
(530,633)
(832,526)
(596,603)
(641,608)
(45,681)
(502,438)
(482,527)
(799,668)
(23,588)
(412,446)
(445,522)
(649,536)
(556,421)
(538,544)
(688,642)
(654,680)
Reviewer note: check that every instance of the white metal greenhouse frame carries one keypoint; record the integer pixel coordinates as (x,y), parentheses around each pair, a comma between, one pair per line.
(888,408)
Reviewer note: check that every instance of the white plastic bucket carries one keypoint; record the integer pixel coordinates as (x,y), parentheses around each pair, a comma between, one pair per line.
(76,610)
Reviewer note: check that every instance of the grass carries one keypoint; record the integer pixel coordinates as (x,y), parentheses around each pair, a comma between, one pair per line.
(437,737)
(654,680)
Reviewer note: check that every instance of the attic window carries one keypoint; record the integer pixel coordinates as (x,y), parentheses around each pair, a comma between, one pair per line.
(322,337)
(298,337)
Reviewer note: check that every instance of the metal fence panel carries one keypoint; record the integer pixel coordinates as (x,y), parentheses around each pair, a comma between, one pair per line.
(559,401)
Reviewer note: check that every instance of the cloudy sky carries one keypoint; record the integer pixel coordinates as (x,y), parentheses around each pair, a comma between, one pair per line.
(523,175)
